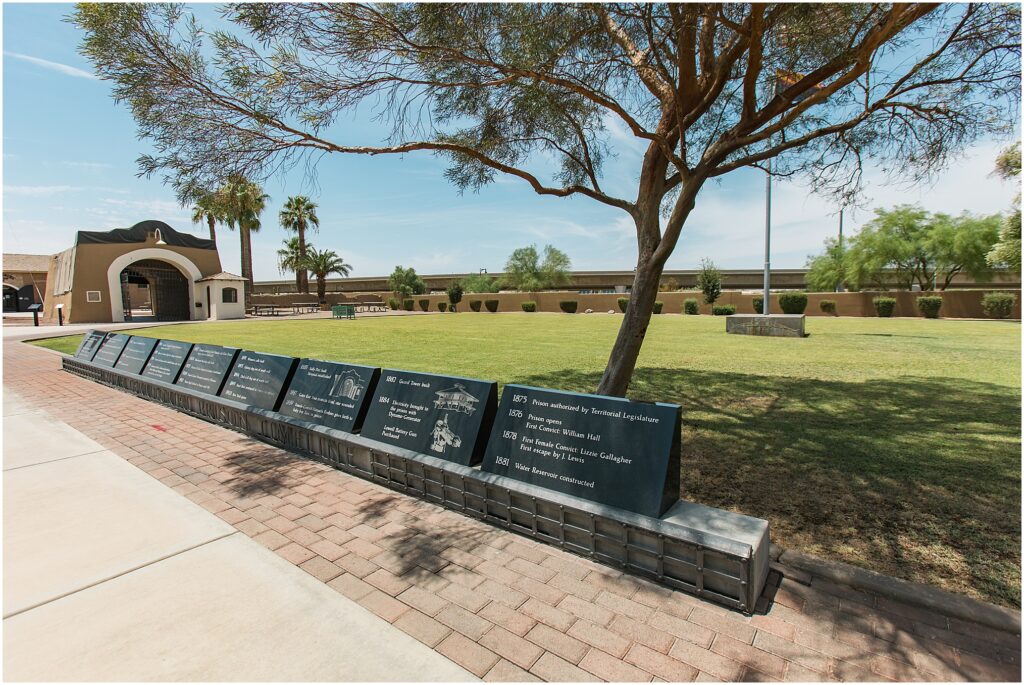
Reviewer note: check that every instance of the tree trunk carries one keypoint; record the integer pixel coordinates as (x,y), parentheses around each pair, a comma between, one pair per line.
(622,361)
(212,223)
(302,273)
(243,233)
(321,290)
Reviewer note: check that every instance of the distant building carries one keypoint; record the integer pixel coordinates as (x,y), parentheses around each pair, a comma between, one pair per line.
(148,271)
(24,280)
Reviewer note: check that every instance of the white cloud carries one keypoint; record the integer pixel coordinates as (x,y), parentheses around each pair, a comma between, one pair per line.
(87,166)
(65,69)
(40,191)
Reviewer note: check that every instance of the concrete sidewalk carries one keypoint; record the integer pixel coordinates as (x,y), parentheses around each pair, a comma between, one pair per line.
(110,575)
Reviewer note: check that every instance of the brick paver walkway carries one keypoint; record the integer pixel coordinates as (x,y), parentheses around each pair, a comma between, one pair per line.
(503,606)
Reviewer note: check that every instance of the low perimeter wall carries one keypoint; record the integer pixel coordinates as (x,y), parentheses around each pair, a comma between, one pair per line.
(957,304)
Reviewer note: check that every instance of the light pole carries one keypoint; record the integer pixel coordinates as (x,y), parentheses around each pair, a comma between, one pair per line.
(839,285)
(767,236)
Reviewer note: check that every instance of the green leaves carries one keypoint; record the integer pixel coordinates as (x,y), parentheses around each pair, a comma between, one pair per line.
(526,272)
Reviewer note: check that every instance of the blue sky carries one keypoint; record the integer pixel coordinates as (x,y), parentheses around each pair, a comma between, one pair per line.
(69,164)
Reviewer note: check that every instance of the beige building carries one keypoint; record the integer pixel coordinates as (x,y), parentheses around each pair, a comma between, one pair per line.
(147,272)
(24,280)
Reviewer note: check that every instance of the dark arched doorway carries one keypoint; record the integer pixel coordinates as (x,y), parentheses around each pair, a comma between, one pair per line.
(152,289)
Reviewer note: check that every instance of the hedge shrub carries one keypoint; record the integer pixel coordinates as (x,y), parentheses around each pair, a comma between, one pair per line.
(623,303)
(884,306)
(529,306)
(491,305)
(793,303)
(394,303)
(442,306)
(568,306)
(828,306)
(408,305)
(475,305)
(723,309)
(690,306)
(658,306)
(758,303)
(424,305)
(929,305)
(998,305)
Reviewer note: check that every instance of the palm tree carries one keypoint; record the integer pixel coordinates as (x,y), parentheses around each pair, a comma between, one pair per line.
(243,201)
(289,259)
(207,208)
(323,263)
(299,213)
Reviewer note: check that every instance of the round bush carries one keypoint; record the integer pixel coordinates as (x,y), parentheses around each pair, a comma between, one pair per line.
(723,309)
(394,303)
(442,306)
(658,306)
(758,302)
(828,306)
(998,305)
(690,306)
(793,303)
(623,303)
(424,305)
(568,306)
(475,305)
(884,306)
(529,306)
(491,305)
(929,305)
(408,305)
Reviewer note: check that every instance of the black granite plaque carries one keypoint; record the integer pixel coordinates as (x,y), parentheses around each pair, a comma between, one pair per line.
(604,449)
(111,349)
(259,379)
(90,344)
(136,354)
(207,368)
(441,416)
(330,394)
(166,361)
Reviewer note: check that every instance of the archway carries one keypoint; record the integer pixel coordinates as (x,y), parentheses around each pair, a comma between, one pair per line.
(10,298)
(171,279)
(154,290)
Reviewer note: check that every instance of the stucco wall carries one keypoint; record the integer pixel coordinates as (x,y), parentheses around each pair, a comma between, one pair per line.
(956,303)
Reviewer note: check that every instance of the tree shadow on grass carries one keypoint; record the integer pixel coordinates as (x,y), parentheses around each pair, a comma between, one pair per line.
(913,477)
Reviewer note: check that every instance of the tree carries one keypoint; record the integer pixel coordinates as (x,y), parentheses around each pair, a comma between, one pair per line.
(207,208)
(709,281)
(479,283)
(827,271)
(243,202)
(525,270)
(299,213)
(706,88)
(910,246)
(323,263)
(454,294)
(289,258)
(1007,251)
(405,282)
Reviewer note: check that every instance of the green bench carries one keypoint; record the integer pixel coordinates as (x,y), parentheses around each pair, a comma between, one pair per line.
(343,311)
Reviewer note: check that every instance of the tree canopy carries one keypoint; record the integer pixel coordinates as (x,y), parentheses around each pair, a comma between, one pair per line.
(479,283)
(907,246)
(405,282)
(706,88)
(1006,252)
(526,271)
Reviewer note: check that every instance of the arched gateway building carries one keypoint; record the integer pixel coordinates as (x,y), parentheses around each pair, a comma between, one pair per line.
(147,272)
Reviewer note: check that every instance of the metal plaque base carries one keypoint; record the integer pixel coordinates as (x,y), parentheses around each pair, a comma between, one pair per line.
(711,553)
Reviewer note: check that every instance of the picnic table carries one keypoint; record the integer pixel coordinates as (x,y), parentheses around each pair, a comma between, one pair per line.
(343,311)
(300,307)
(371,306)
(265,310)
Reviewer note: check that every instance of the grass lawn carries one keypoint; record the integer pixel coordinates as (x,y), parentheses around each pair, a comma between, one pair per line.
(890,444)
